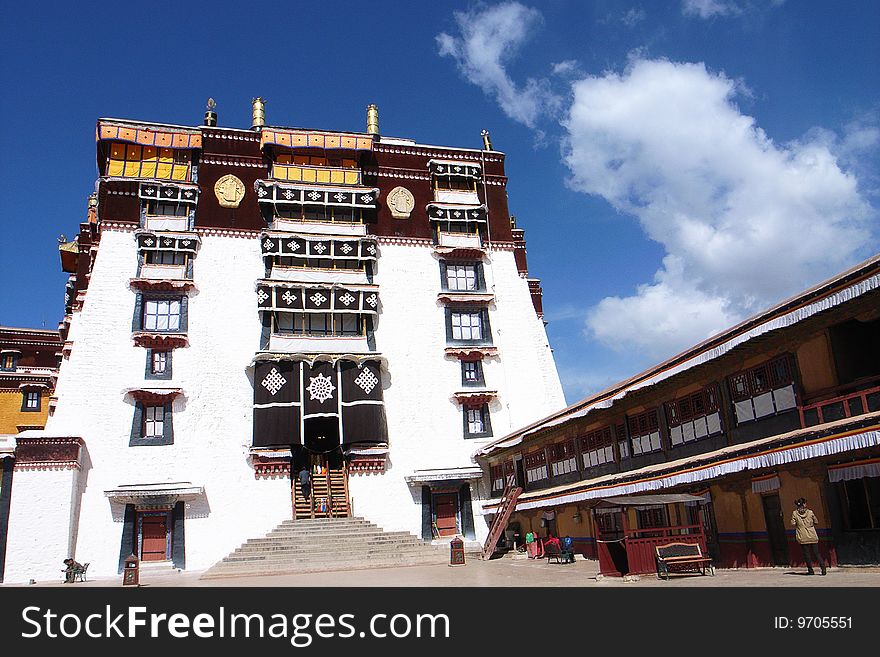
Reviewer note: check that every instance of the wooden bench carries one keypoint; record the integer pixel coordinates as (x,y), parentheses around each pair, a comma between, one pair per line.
(681,558)
(554,551)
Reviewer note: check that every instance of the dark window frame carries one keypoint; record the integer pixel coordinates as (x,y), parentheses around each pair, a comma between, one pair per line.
(483,409)
(148,371)
(137,438)
(25,395)
(479,379)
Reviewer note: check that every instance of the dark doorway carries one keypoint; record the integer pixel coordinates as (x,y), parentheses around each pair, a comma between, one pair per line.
(446,513)
(775,530)
(520,474)
(154,536)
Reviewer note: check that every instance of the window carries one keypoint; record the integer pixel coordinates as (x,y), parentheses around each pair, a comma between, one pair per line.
(535,465)
(30,402)
(322,213)
(622,441)
(468,326)
(651,516)
(497,477)
(160,362)
(318,263)
(7,362)
(597,447)
(458,184)
(167,209)
(154,420)
(644,432)
(165,258)
(562,458)
(462,276)
(476,422)
(325,324)
(135,161)
(472,373)
(162,315)
(694,417)
(152,425)
(764,390)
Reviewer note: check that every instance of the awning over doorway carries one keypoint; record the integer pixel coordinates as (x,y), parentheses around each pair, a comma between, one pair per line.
(169,492)
(444,474)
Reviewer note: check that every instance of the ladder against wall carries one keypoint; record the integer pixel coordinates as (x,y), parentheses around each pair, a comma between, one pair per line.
(508,504)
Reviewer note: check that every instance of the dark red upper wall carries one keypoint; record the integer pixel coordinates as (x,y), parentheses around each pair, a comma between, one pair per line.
(237,152)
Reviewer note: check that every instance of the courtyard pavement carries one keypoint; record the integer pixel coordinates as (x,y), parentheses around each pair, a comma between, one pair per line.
(503,572)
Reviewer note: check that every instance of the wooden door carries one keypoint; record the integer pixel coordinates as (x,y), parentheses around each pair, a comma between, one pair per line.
(775,529)
(154,537)
(446,511)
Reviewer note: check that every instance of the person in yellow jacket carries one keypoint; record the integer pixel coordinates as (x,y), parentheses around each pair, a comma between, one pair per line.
(804,521)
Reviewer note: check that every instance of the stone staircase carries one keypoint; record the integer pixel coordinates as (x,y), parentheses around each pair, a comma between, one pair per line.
(322,544)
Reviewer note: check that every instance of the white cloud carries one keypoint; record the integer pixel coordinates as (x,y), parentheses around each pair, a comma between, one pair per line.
(633,16)
(744,221)
(709,8)
(489,38)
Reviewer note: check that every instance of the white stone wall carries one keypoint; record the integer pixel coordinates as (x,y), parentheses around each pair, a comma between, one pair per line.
(41,524)
(213,419)
(425,423)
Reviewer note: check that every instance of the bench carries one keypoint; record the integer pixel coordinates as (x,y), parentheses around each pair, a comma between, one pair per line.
(81,574)
(681,558)
(554,551)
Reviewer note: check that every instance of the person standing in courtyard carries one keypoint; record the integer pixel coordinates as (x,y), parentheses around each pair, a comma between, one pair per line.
(804,521)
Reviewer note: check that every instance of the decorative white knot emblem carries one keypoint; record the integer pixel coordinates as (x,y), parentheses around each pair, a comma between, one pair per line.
(347,299)
(346,248)
(149,191)
(293,246)
(319,248)
(169,192)
(288,297)
(261,296)
(366,380)
(267,244)
(149,241)
(318,298)
(166,242)
(367,198)
(273,381)
(371,250)
(372,300)
(261,192)
(339,196)
(188,193)
(288,194)
(314,195)
(320,388)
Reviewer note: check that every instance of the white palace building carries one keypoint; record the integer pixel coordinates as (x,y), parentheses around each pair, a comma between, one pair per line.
(246,303)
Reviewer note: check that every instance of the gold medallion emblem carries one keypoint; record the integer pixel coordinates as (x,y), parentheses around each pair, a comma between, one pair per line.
(229,191)
(401,202)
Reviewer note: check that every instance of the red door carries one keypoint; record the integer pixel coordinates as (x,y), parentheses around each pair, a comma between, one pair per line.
(446,510)
(154,537)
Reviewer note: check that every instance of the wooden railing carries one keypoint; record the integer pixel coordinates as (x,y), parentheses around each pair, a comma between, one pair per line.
(641,544)
(838,408)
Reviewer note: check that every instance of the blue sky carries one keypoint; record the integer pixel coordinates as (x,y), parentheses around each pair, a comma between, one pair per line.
(677,166)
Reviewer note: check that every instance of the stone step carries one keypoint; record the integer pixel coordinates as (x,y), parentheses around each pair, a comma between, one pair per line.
(312,567)
(294,553)
(314,545)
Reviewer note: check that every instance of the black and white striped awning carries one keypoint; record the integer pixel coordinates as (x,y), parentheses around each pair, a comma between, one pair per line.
(455,212)
(454,168)
(169,192)
(299,298)
(269,191)
(167,242)
(316,247)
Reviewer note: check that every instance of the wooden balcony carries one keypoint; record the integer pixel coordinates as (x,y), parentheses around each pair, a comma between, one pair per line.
(837,408)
